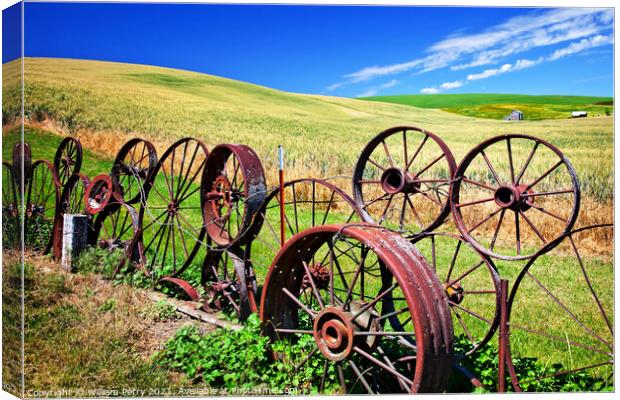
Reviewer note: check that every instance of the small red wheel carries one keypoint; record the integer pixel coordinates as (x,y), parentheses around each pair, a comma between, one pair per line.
(98,194)
(132,166)
(375,277)
(402,179)
(233,190)
(68,159)
(514,194)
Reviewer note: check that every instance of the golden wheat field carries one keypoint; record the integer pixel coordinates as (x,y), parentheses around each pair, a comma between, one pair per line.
(105,104)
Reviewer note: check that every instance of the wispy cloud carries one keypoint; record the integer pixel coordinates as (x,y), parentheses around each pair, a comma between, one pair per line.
(451,85)
(572,48)
(429,90)
(516,35)
(375,89)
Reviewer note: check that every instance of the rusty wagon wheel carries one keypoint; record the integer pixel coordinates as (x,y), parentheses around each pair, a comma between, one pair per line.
(71,202)
(402,178)
(42,195)
(514,194)
(98,194)
(307,203)
(22,161)
(373,277)
(170,218)
(232,191)
(68,159)
(10,207)
(471,285)
(561,313)
(115,228)
(132,166)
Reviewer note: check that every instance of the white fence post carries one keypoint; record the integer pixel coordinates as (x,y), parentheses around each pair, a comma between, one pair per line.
(74,239)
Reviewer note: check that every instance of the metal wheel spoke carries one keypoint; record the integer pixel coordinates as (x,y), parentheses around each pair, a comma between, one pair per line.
(311,313)
(383,365)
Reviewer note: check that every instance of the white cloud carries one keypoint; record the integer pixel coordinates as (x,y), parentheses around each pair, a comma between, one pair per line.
(489,72)
(375,89)
(451,85)
(584,44)
(335,86)
(371,72)
(429,90)
(368,93)
(516,35)
(390,84)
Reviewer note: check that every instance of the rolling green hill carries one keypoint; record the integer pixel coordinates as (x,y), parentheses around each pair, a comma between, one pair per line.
(107,103)
(497,106)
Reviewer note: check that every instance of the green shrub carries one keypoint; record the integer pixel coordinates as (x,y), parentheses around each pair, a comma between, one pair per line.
(244,359)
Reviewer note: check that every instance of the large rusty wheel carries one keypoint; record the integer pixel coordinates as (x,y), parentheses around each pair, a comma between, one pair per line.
(115,228)
(233,189)
(370,277)
(132,166)
(10,207)
(42,195)
(170,218)
(402,180)
(514,194)
(68,159)
(71,202)
(561,312)
(471,285)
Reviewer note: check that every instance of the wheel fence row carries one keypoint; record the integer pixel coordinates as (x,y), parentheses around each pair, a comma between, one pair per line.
(400,283)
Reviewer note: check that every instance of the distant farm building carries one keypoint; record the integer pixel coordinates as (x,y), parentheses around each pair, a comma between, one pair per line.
(515,115)
(579,114)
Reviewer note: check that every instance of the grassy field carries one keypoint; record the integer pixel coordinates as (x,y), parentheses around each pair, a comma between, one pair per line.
(105,104)
(497,106)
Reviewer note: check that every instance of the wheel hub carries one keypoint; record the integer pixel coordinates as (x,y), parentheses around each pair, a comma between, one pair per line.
(455,292)
(320,275)
(221,196)
(173,207)
(335,330)
(334,333)
(512,197)
(395,180)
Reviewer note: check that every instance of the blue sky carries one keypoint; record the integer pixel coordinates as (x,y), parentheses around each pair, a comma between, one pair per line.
(344,51)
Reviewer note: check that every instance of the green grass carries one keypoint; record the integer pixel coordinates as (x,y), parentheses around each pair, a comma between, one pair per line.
(476,99)
(497,106)
(74,333)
